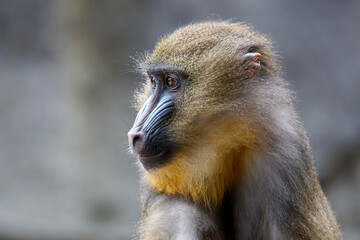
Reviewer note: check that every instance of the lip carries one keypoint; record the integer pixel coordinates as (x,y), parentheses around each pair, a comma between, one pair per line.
(149,155)
(150,161)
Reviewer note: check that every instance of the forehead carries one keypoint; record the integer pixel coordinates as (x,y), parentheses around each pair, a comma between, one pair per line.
(189,46)
(189,41)
(162,69)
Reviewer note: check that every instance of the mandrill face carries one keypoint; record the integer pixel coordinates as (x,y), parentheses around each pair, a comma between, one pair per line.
(150,136)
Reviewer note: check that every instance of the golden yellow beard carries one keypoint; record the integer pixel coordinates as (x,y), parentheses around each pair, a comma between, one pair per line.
(205,171)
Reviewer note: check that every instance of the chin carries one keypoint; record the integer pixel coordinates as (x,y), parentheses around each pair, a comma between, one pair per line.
(151,162)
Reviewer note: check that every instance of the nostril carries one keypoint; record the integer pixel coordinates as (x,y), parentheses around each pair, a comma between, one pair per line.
(137,141)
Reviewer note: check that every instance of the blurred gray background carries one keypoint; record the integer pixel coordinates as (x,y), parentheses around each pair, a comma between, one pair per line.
(66,81)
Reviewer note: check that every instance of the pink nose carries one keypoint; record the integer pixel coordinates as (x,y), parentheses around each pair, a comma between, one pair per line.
(137,141)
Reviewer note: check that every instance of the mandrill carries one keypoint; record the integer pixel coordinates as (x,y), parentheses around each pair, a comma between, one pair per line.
(222,152)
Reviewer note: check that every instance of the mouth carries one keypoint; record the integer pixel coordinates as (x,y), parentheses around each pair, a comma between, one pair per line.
(156,160)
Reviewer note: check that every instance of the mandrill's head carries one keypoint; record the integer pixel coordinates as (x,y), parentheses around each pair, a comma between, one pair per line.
(209,91)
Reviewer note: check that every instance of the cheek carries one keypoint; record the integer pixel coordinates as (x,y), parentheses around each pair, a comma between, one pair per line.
(204,136)
(209,137)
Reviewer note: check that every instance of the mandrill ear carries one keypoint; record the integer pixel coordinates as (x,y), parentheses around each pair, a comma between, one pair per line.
(252,62)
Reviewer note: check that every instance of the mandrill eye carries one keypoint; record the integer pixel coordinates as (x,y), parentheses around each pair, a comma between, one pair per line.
(153,81)
(170,81)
